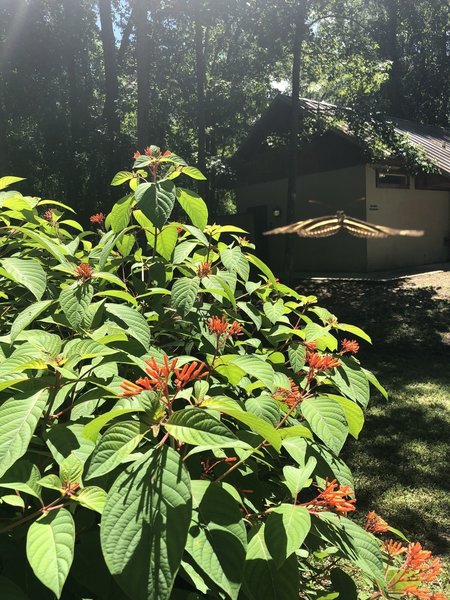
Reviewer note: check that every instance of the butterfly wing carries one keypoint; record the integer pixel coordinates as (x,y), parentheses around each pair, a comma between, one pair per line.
(310,228)
(363,229)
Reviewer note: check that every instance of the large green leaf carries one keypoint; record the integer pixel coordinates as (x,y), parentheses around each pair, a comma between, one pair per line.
(274,310)
(92,497)
(8,180)
(26,272)
(355,330)
(27,316)
(262,577)
(285,531)
(116,443)
(258,425)
(121,177)
(145,523)
(166,241)
(134,322)
(353,414)
(92,429)
(198,428)
(296,478)
(217,539)
(156,201)
(297,353)
(327,420)
(256,367)
(351,381)
(18,419)
(50,547)
(194,206)
(23,476)
(193,172)
(75,300)
(184,294)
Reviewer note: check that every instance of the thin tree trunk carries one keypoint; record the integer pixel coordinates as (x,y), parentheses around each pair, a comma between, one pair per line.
(395,86)
(111,76)
(299,34)
(200,73)
(143,73)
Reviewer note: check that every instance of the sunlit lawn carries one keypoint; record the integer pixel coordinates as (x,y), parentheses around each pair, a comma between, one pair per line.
(401,460)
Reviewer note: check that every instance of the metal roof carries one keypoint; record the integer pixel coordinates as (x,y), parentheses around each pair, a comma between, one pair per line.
(434,141)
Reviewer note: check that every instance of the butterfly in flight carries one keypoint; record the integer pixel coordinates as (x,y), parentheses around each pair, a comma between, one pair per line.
(332,224)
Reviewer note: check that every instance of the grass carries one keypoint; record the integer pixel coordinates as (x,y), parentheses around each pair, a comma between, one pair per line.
(401,459)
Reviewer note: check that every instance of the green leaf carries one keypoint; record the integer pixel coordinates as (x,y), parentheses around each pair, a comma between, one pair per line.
(374,381)
(353,414)
(8,180)
(194,207)
(135,323)
(257,368)
(297,353)
(26,272)
(121,177)
(91,430)
(27,316)
(198,428)
(75,300)
(71,469)
(262,267)
(156,201)
(286,530)
(92,497)
(50,547)
(116,443)
(41,240)
(52,482)
(145,523)
(217,539)
(274,310)
(184,294)
(19,417)
(259,426)
(23,476)
(166,241)
(344,584)
(355,330)
(296,478)
(262,577)
(351,381)
(327,420)
(230,257)
(194,173)
(264,407)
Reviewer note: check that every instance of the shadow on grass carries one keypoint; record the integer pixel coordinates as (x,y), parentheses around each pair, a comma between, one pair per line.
(400,462)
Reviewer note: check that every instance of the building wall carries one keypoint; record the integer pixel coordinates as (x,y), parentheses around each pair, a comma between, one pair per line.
(338,189)
(407,209)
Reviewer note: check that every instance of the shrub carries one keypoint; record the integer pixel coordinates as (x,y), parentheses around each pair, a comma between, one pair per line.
(171,415)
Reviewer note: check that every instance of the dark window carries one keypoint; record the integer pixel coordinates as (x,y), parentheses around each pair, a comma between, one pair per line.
(390,178)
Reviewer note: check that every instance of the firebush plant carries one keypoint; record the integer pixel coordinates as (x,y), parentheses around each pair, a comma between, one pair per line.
(171,415)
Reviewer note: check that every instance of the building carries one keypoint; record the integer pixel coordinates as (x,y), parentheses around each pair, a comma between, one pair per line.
(333,169)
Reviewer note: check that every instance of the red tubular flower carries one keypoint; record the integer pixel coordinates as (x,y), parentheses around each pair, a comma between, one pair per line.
(234,329)
(375,524)
(289,397)
(319,362)
(204,270)
(159,374)
(393,548)
(311,346)
(190,372)
(137,154)
(97,218)
(130,389)
(83,271)
(217,326)
(334,498)
(350,346)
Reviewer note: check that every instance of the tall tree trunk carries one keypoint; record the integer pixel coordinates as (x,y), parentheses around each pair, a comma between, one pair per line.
(299,34)
(200,75)
(110,64)
(143,73)
(395,85)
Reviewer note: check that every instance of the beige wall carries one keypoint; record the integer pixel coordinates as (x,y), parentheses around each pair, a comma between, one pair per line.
(406,209)
(339,189)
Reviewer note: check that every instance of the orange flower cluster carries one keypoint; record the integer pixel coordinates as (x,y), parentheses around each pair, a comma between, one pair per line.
(335,498)
(221,326)
(97,218)
(159,375)
(393,548)
(311,346)
(151,151)
(204,270)
(350,346)
(83,271)
(318,362)
(418,568)
(289,397)
(375,524)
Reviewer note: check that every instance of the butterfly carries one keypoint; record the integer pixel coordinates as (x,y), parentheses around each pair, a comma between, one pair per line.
(332,224)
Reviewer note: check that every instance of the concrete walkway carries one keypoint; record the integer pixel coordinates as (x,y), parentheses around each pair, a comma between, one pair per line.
(391,275)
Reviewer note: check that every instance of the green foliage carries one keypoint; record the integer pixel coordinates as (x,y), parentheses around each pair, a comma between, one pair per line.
(171,415)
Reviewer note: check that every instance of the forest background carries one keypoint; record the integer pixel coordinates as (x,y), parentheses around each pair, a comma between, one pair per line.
(83,84)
